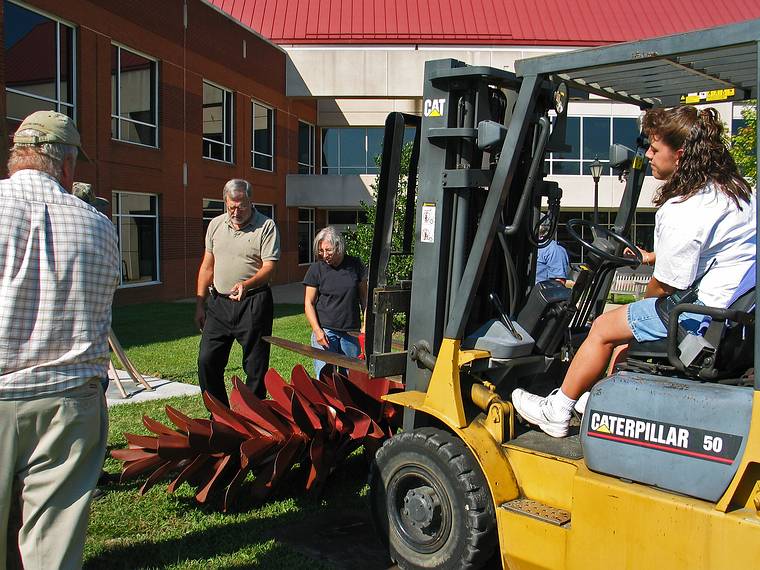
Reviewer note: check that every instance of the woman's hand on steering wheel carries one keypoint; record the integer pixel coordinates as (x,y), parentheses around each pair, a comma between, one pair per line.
(647,257)
(608,238)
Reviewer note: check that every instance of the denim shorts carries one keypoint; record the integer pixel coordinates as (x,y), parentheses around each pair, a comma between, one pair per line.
(646,324)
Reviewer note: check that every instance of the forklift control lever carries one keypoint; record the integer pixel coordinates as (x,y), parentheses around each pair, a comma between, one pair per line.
(503,317)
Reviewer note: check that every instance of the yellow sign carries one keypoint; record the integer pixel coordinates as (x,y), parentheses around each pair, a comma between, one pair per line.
(708,96)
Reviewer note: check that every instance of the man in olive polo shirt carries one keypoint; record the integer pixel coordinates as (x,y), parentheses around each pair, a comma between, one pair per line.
(242,249)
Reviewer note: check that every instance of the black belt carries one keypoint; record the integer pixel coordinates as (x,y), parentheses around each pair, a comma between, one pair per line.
(214,293)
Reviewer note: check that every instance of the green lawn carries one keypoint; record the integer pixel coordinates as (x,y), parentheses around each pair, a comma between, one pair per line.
(162,340)
(159,530)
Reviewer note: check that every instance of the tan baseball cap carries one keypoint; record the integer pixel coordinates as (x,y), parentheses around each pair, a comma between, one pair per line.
(57,128)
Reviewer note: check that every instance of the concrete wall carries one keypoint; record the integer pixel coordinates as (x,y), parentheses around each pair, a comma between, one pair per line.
(380,72)
(363,112)
(329,191)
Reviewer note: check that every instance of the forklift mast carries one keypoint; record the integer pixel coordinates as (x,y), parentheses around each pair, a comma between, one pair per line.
(476,176)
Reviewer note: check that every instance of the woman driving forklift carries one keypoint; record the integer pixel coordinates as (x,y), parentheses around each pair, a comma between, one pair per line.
(704,237)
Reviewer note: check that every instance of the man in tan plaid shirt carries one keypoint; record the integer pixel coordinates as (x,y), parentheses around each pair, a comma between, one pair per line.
(58,273)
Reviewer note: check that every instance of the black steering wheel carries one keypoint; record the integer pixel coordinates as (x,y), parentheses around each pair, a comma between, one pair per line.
(607,237)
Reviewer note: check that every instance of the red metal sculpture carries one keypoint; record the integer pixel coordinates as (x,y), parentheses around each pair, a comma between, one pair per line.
(313,422)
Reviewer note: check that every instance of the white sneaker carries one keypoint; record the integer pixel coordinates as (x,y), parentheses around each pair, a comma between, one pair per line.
(580,405)
(539,411)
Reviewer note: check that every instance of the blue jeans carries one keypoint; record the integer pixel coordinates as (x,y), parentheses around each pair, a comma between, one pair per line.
(340,342)
(646,324)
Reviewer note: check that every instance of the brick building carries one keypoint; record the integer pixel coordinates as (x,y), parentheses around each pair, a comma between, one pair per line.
(172,99)
(175,97)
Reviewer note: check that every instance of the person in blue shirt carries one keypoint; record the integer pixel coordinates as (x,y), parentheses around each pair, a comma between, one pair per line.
(552,262)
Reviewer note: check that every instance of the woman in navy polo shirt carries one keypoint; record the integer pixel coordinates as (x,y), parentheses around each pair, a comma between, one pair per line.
(336,293)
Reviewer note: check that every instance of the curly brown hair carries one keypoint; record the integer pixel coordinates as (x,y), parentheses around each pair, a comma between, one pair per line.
(705,158)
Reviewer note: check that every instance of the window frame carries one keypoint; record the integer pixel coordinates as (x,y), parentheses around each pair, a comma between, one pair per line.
(225,105)
(369,167)
(257,204)
(255,152)
(116,195)
(584,160)
(312,223)
(205,220)
(311,167)
(357,214)
(59,104)
(118,116)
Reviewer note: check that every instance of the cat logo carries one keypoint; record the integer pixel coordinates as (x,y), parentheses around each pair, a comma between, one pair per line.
(603,428)
(433,107)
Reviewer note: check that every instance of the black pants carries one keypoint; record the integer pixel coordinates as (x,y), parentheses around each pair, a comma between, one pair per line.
(246,321)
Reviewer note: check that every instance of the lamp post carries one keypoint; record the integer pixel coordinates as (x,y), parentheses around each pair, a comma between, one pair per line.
(596,173)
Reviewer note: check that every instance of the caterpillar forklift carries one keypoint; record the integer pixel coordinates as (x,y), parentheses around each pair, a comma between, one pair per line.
(663,468)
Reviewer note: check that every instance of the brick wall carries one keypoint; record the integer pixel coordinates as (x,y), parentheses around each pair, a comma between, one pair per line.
(210,48)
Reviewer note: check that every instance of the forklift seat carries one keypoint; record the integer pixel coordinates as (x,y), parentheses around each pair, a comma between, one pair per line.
(545,315)
(724,349)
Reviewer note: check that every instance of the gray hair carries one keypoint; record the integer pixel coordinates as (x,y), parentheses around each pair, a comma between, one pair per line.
(237,186)
(331,236)
(46,157)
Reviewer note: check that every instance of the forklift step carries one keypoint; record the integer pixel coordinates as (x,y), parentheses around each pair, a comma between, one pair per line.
(538,511)
(567,447)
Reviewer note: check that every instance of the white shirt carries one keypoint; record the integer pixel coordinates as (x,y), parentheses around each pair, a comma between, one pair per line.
(58,272)
(707,227)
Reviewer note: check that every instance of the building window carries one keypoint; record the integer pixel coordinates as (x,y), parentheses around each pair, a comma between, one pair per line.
(305,235)
(136,220)
(737,124)
(40,65)
(134,97)
(211,209)
(590,138)
(643,230)
(263,137)
(217,123)
(345,220)
(266,209)
(305,148)
(351,150)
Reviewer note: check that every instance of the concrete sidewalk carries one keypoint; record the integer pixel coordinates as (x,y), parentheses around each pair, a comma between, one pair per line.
(162,388)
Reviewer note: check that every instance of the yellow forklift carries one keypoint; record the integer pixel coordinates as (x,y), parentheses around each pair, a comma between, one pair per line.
(663,469)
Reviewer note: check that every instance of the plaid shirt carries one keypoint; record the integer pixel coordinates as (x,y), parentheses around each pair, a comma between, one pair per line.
(58,273)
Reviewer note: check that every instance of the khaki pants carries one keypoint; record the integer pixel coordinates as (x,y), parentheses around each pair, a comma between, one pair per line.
(51,449)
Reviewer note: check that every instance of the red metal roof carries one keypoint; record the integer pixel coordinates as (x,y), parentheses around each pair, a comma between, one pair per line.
(480,22)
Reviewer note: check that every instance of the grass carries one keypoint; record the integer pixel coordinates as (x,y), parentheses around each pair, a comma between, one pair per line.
(621,298)
(162,340)
(165,531)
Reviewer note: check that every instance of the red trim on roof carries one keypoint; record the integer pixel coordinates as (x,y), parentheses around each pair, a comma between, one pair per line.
(481,22)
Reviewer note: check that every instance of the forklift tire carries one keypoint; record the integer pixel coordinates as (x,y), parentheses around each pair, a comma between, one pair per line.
(430,502)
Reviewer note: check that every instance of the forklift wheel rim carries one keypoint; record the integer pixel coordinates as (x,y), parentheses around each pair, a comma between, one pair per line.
(424,540)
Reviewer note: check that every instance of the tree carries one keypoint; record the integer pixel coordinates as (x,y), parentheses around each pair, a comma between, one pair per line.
(359,241)
(744,144)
